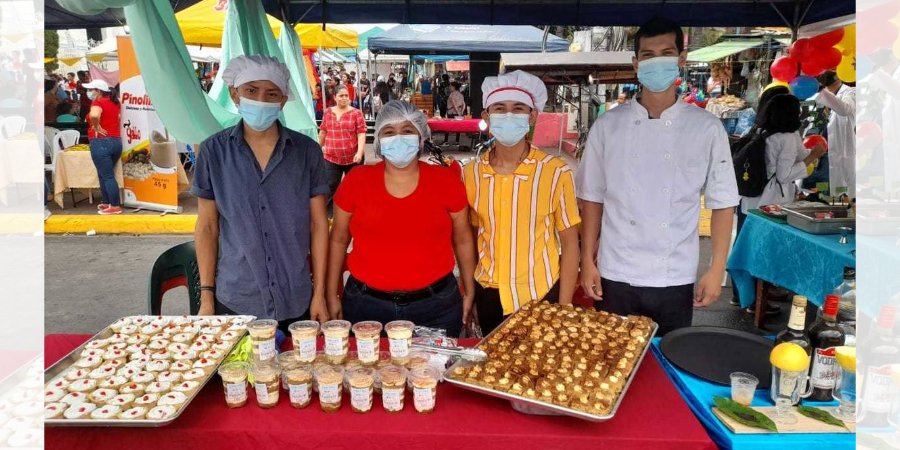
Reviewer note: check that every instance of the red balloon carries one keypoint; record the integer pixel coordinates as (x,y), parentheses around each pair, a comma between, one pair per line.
(678,81)
(784,69)
(812,68)
(829,39)
(800,50)
(829,58)
(813,140)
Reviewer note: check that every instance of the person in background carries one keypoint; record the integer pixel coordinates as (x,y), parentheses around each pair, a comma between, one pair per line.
(104,136)
(523,207)
(83,100)
(620,100)
(51,101)
(365,91)
(840,100)
(644,168)
(64,113)
(408,221)
(347,83)
(343,138)
(443,94)
(456,104)
(261,218)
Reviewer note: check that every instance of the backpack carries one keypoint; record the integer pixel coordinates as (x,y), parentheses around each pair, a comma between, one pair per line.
(749,157)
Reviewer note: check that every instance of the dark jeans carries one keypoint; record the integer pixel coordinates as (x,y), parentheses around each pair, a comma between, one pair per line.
(106,152)
(335,173)
(670,307)
(442,310)
(222,310)
(490,310)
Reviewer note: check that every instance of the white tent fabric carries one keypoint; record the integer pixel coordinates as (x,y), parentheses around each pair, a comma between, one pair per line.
(109,51)
(364,56)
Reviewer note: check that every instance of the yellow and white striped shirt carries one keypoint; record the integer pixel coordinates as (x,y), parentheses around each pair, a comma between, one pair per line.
(518,217)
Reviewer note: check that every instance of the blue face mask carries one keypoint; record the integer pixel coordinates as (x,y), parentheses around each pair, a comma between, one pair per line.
(258,115)
(509,128)
(400,150)
(658,74)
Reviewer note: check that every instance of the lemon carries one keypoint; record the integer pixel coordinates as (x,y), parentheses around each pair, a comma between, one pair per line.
(846,358)
(789,356)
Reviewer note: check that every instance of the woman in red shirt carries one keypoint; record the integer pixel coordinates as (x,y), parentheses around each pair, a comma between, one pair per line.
(409,224)
(343,139)
(105,141)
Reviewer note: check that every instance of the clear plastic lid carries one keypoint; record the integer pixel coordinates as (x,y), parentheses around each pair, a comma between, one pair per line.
(235,370)
(329,374)
(336,327)
(262,326)
(360,377)
(393,375)
(400,329)
(304,327)
(368,329)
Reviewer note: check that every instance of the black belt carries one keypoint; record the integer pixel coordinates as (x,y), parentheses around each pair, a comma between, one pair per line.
(408,296)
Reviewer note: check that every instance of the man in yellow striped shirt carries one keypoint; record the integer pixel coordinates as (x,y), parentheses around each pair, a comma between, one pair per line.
(523,208)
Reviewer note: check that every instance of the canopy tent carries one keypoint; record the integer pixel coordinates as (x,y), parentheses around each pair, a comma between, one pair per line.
(456,39)
(573,68)
(108,50)
(58,18)
(203,24)
(688,13)
(363,41)
(729,47)
(457,66)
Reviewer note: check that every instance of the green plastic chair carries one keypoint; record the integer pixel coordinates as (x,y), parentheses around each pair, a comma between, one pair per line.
(175,267)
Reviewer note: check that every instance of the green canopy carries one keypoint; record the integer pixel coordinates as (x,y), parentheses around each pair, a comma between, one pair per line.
(723,49)
(363,42)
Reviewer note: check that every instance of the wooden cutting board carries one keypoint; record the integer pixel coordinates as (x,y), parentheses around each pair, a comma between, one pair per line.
(804,424)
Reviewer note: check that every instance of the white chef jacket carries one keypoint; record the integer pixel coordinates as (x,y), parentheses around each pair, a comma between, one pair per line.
(649,174)
(784,164)
(841,138)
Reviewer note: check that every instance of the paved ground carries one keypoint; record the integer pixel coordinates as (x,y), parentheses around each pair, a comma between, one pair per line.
(91,281)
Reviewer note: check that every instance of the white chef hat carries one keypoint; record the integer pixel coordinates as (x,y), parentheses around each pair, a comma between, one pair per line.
(518,86)
(245,69)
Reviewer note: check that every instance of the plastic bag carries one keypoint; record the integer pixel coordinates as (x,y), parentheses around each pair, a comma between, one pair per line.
(745,121)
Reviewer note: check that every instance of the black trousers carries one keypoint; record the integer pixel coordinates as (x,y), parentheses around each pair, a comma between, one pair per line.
(670,307)
(335,173)
(490,310)
(222,310)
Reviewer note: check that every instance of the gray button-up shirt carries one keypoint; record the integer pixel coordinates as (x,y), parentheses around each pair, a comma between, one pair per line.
(264,220)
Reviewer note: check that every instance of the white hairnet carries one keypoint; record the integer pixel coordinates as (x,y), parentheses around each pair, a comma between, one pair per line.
(245,69)
(398,111)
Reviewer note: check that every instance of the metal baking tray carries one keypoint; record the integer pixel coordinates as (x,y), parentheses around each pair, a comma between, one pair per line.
(537,407)
(805,219)
(60,366)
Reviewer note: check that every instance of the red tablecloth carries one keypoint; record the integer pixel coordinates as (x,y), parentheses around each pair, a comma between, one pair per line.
(454,126)
(653,416)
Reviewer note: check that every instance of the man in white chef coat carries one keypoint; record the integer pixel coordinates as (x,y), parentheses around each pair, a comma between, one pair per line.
(840,99)
(642,174)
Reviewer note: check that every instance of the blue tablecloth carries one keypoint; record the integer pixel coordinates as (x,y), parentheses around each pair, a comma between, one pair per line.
(808,264)
(698,394)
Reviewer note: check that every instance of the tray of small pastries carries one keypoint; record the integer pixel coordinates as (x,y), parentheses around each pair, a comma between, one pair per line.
(141,371)
(559,360)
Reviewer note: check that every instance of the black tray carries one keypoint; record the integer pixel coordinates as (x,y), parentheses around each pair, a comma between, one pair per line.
(713,353)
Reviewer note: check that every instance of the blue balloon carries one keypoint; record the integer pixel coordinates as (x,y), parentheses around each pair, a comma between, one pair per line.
(804,87)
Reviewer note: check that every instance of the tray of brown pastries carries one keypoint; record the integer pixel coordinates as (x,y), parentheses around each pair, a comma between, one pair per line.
(140,371)
(559,360)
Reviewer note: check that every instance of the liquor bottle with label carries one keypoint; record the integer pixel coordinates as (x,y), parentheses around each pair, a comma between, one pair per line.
(824,335)
(877,386)
(795,331)
(847,305)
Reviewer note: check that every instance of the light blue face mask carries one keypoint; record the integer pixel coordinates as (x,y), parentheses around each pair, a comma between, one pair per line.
(258,115)
(658,74)
(400,150)
(509,128)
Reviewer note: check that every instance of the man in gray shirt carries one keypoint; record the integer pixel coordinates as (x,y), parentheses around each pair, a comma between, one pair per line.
(261,190)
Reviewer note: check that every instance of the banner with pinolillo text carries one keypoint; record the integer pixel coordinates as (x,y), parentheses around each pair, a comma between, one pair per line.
(149,158)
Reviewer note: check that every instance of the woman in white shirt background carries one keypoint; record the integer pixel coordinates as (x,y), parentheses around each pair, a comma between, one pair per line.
(786,157)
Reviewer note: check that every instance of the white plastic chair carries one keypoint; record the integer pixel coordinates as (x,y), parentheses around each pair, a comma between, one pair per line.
(61,141)
(13,126)
(49,136)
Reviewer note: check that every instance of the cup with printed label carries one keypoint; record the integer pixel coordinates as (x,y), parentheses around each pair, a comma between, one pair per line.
(266,383)
(400,338)
(362,384)
(330,379)
(303,335)
(337,340)
(424,381)
(299,384)
(287,360)
(368,336)
(262,339)
(393,387)
(234,379)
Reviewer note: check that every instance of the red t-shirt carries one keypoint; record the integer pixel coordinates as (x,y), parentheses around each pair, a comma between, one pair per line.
(401,244)
(109,118)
